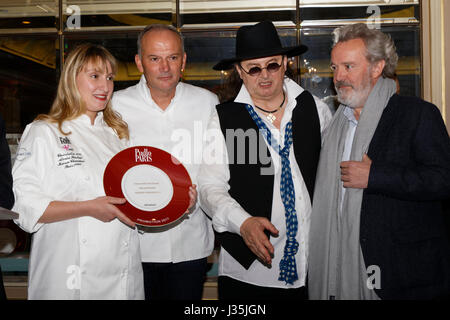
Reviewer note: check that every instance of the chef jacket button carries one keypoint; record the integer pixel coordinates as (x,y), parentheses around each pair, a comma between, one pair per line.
(83,241)
(87,178)
(125,244)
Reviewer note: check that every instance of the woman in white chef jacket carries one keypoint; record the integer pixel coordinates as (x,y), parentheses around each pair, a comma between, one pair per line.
(83,246)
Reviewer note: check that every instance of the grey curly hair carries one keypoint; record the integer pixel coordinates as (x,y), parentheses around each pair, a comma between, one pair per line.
(379,45)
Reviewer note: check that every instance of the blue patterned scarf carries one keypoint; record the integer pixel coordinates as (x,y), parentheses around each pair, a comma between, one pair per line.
(288,266)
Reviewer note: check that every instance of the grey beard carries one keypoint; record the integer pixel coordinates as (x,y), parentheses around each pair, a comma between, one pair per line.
(355,100)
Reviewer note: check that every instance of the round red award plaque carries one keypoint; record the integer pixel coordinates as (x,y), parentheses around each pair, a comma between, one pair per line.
(155,184)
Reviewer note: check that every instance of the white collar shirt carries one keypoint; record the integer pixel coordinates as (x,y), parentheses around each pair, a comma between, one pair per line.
(228,215)
(349,137)
(80,258)
(179,130)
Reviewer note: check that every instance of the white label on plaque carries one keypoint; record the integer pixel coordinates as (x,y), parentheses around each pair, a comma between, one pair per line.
(147,188)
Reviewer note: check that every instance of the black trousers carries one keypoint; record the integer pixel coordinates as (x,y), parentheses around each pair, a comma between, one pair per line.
(174,281)
(231,289)
(2,288)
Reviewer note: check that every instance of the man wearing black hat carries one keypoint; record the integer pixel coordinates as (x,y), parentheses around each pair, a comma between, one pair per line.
(257,179)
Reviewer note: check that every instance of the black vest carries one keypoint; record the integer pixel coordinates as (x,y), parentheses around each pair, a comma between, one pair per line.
(251,169)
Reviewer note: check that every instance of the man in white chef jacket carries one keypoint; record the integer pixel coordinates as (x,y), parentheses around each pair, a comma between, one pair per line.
(165,113)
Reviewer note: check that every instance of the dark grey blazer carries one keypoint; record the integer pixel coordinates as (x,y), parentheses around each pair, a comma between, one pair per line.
(402,227)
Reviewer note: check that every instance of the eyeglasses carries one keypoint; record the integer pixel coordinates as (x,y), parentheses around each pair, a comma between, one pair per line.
(256,71)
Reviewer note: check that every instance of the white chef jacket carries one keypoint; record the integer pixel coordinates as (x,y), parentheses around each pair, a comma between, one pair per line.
(179,130)
(81,258)
(228,215)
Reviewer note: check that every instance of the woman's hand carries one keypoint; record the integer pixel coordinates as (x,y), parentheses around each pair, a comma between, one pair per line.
(104,209)
(101,208)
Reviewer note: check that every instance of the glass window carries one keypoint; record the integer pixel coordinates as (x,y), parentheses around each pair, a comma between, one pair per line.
(318,78)
(28,14)
(209,28)
(205,49)
(227,12)
(28,78)
(122,45)
(84,14)
(315,12)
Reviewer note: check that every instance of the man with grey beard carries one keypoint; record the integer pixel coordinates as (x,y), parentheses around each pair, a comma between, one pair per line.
(377,224)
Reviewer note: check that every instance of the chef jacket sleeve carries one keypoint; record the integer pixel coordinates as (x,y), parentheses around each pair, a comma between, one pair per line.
(31,167)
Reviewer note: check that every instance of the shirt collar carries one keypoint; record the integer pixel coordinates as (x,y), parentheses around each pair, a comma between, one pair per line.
(348,112)
(291,88)
(145,92)
(292,91)
(85,120)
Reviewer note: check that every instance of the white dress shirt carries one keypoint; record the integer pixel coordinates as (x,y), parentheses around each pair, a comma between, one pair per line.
(350,135)
(228,215)
(80,258)
(179,130)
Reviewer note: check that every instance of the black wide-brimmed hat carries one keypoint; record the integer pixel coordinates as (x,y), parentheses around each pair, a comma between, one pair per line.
(258,41)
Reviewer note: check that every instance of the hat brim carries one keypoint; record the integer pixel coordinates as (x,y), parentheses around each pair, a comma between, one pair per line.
(289,52)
